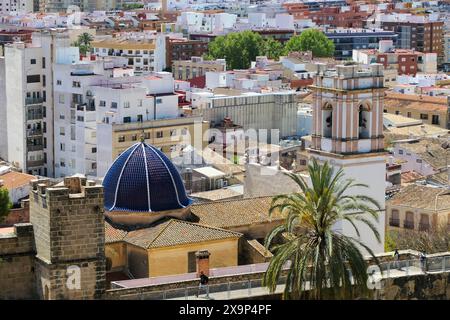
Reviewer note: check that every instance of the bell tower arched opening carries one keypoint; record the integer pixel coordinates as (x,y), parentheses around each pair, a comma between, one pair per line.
(327,120)
(363,121)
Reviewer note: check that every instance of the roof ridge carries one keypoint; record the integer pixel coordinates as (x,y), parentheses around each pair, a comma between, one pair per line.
(160,232)
(208,226)
(228,200)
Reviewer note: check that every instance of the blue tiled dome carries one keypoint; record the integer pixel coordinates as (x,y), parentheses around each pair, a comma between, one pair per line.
(142,179)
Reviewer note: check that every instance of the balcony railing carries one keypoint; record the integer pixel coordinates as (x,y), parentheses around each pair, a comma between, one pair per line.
(35,163)
(29,101)
(408,224)
(35,116)
(424,226)
(35,147)
(394,222)
(34,132)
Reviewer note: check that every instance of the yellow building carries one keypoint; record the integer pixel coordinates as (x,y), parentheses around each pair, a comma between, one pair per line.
(169,248)
(166,134)
(431,110)
(418,207)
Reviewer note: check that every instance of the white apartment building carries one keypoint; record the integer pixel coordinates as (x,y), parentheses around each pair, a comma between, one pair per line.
(93,96)
(3,127)
(13,7)
(200,22)
(29,102)
(145,51)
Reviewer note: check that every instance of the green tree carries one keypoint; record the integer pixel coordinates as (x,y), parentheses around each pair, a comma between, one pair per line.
(5,203)
(84,42)
(311,40)
(238,48)
(318,254)
(272,49)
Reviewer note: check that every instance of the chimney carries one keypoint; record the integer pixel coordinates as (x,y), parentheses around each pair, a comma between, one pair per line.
(202,261)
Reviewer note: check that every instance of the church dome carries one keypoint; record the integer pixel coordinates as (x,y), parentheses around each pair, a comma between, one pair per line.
(143,179)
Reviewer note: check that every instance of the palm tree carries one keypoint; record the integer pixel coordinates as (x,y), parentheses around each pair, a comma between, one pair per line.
(317,257)
(85,39)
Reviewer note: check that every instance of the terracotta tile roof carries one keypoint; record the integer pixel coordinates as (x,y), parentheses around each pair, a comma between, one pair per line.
(441,177)
(13,179)
(414,101)
(234,213)
(411,176)
(176,232)
(422,197)
(112,234)
(429,150)
(214,195)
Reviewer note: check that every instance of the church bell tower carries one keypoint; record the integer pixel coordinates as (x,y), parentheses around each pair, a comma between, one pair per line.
(348,133)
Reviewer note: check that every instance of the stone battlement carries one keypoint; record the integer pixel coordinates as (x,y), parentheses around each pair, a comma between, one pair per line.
(70,189)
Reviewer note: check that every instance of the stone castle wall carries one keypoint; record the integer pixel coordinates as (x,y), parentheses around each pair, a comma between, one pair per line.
(17,263)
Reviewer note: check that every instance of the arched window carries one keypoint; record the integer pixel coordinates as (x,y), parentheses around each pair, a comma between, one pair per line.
(327,120)
(363,121)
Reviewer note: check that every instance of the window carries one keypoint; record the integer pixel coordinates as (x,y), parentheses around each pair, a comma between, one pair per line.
(395,218)
(158,101)
(126,119)
(424,116)
(397,112)
(114,105)
(139,103)
(62,131)
(126,104)
(58,82)
(139,118)
(419,160)
(62,162)
(94,150)
(192,262)
(435,119)
(62,147)
(146,135)
(102,103)
(134,137)
(33,61)
(43,62)
(76,84)
(173,132)
(408,114)
(61,98)
(121,139)
(159,134)
(400,151)
(34,78)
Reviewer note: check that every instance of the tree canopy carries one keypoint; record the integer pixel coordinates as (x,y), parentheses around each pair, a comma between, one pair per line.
(327,261)
(311,40)
(84,42)
(5,203)
(238,48)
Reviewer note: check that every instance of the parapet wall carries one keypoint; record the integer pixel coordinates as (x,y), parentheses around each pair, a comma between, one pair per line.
(17,263)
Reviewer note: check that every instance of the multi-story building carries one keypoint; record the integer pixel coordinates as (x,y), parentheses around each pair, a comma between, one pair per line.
(446,48)
(184,49)
(29,101)
(196,67)
(347,40)
(145,53)
(405,61)
(417,32)
(7,36)
(16,6)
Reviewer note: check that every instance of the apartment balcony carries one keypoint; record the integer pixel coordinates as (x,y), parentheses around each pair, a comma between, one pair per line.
(408,224)
(35,163)
(34,132)
(34,116)
(424,226)
(29,101)
(35,147)
(394,222)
